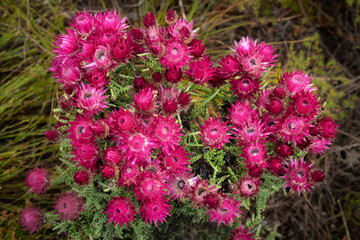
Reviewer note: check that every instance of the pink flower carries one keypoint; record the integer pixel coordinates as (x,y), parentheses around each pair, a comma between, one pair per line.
(150,187)
(86,155)
(296,82)
(215,133)
(200,191)
(177,55)
(255,155)
(149,20)
(170,17)
(200,71)
(317,176)
(128,175)
(112,22)
(230,66)
(91,100)
(249,186)
(275,166)
(120,210)
(80,130)
(108,171)
(137,145)
(81,177)
(297,175)
(38,180)
(167,132)
(175,160)
(120,120)
(179,186)
(31,219)
(245,87)
(145,101)
(52,135)
(173,75)
(84,23)
(240,112)
(241,233)
(69,206)
(294,128)
(197,49)
(155,211)
(226,212)
(112,155)
(67,44)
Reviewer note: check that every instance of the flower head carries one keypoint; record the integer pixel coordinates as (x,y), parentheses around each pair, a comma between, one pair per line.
(155,211)
(241,233)
(177,55)
(31,219)
(215,133)
(167,132)
(297,175)
(226,212)
(37,180)
(145,101)
(120,210)
(90,99)
(69,206)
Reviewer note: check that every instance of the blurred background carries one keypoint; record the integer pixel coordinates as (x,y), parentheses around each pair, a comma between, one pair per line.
(320,37)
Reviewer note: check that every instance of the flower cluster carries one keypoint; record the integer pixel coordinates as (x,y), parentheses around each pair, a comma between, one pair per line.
(137,140)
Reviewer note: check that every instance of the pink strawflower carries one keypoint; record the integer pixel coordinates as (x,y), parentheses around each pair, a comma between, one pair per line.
(83,23)
(249,186)
(145,101)
(69,206)
(200,191)
(31,219)
(167,132)
(297,175)
(184,100)
(176,160)
(214,133)
(81,177)
(170,17)
(201,71)
(240,112)
(120,210)
(91,100)
(137,145)
(168,98)
(317,176)
(241,233)
(197,49)
(155,211)
(275,166)
(38,180)
(86,155)
(66,44)
(326,128)
(108,171)
(306,103)
(255,155)
(296,82)
(119,121)
(245,46)
(67,72)
(80,130)
(231,66)
(150,187)
(294,128)
(111,22)
(112,155)
(179,186)
(52,135)
(149,20)
(245,87)
(318,145)
(283,149)
(250,132)
(128,175)
(271,124)
(183,30)
(226,212)
(177,55)
(173,75)
(122,50)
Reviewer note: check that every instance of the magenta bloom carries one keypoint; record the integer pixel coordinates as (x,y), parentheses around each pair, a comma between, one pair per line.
(37,180)
(297,175)
(155,211)
(31,219)
(120,210)
(201,71)
(145,101)
(91,100)
(215,133)
(241,233)
(226,212)
(175,161)
(69,206)
(150,187)
(294,128)
(177,55)
(167,132)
